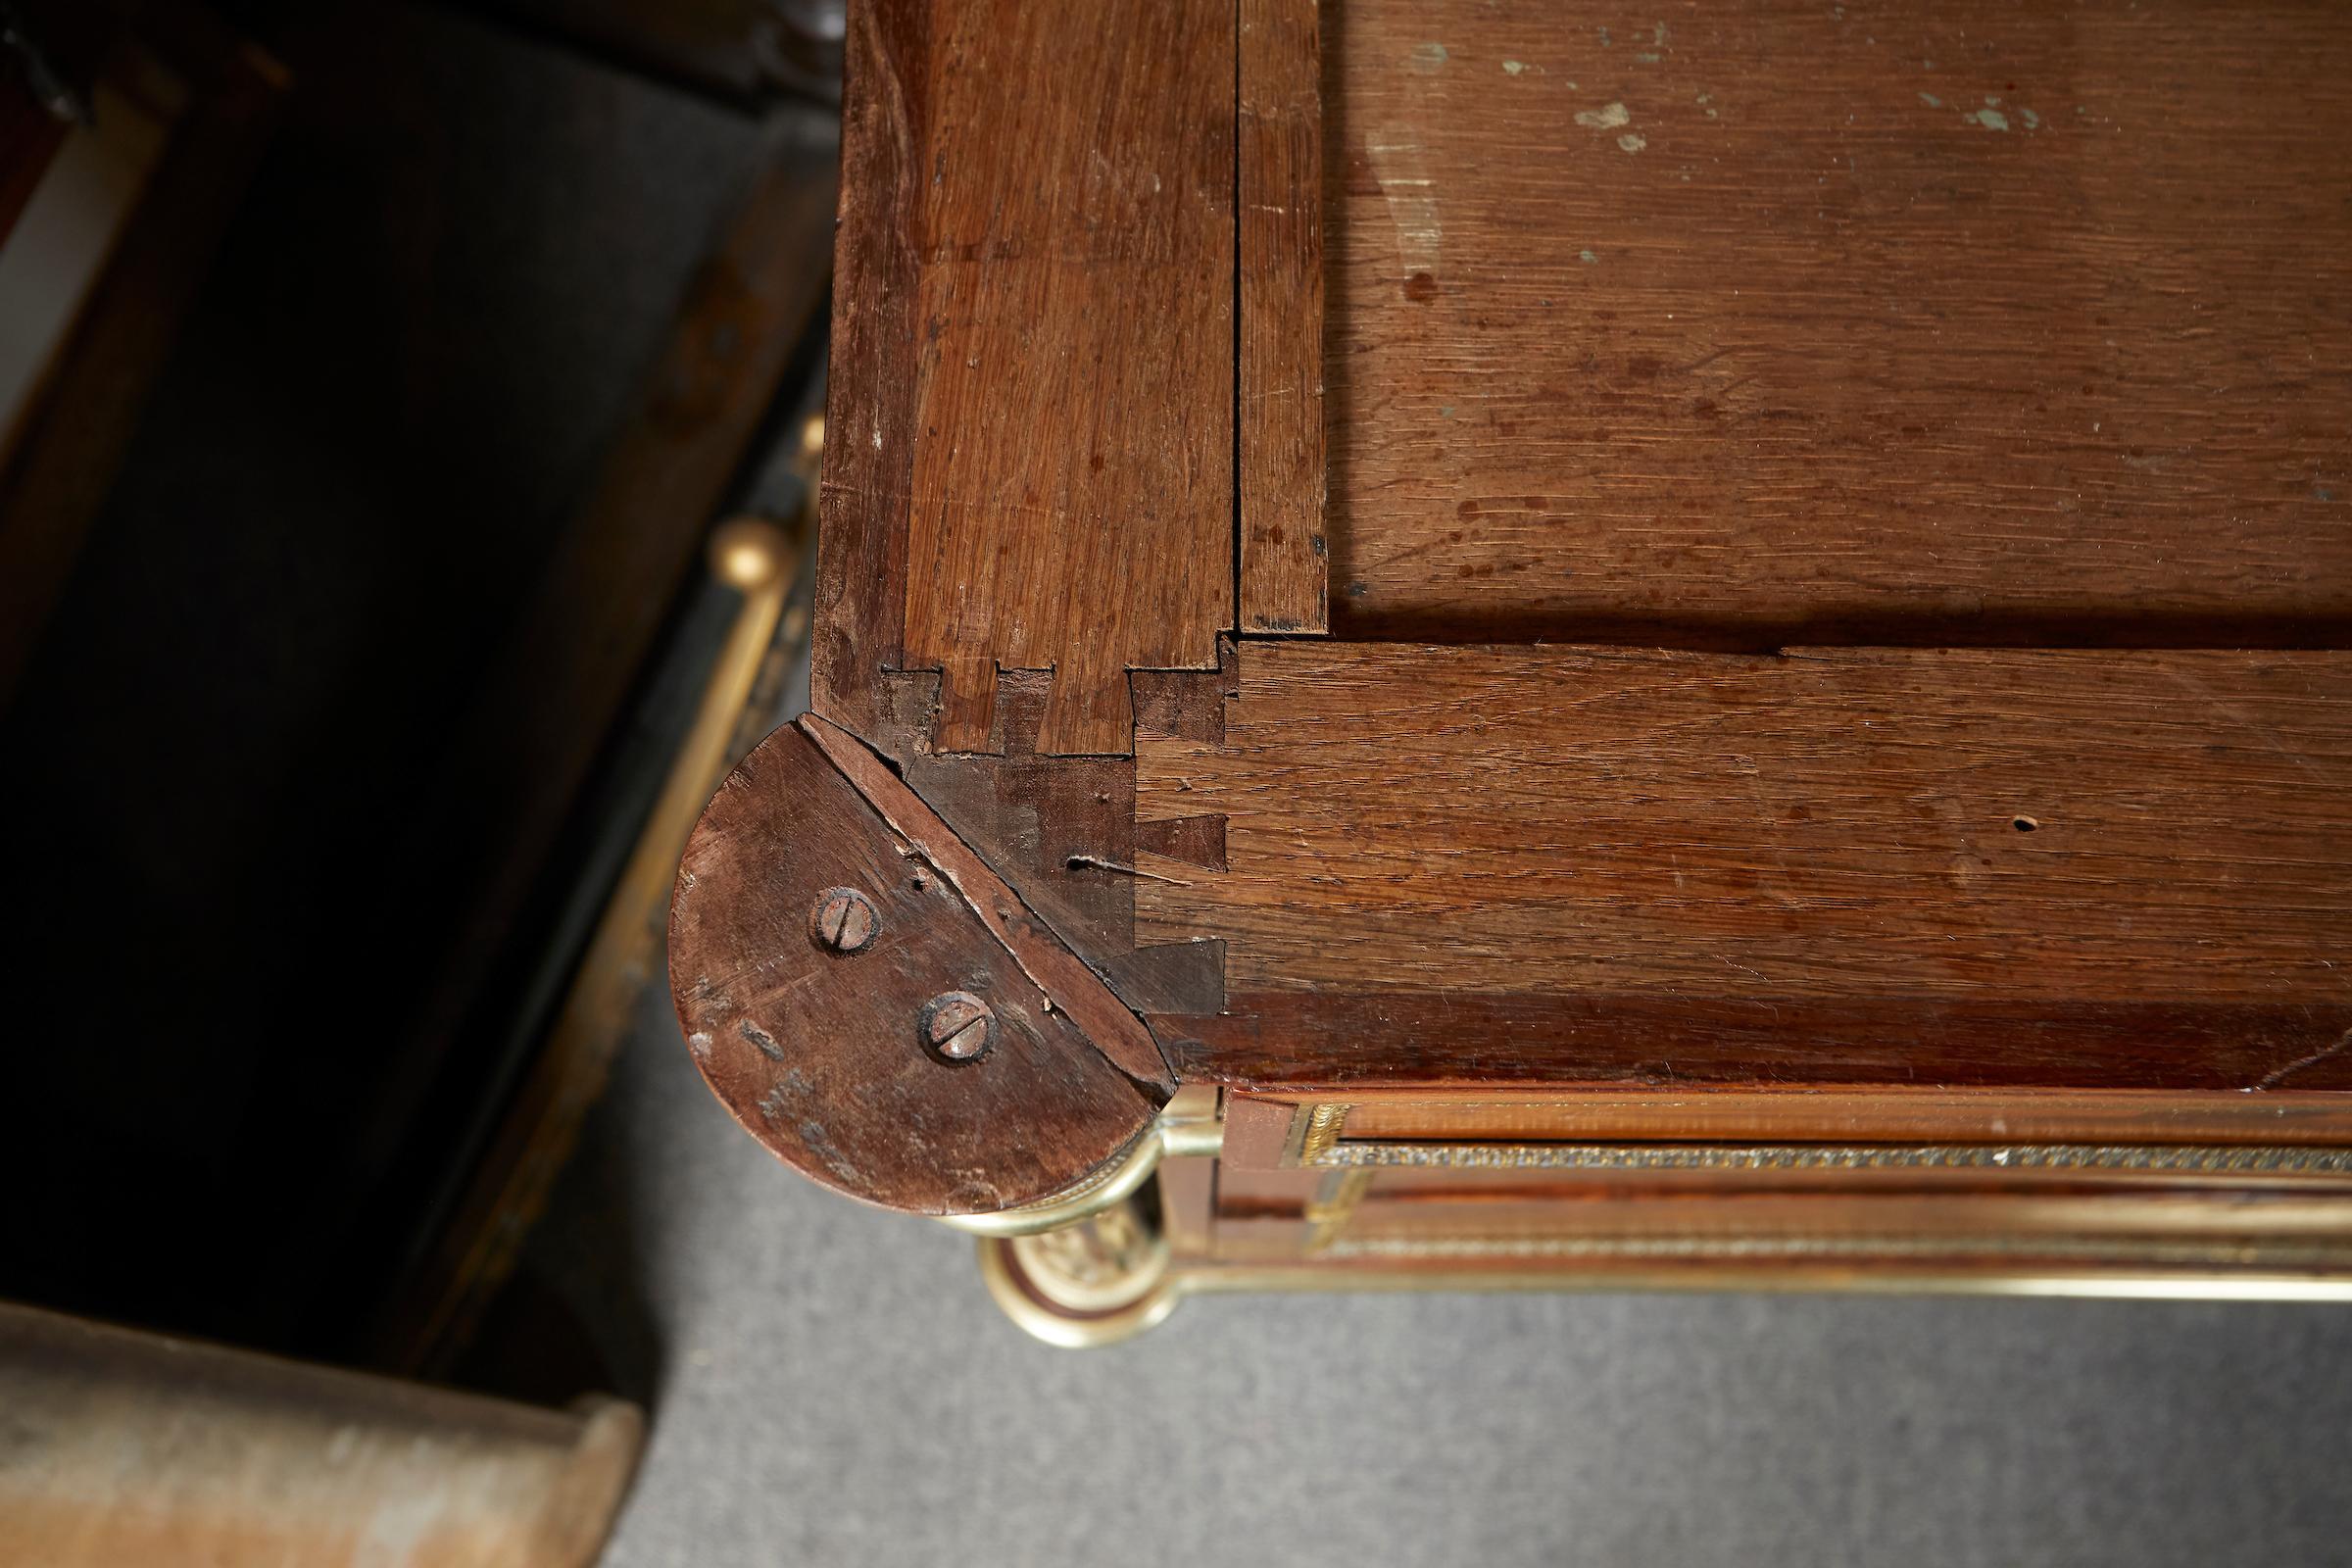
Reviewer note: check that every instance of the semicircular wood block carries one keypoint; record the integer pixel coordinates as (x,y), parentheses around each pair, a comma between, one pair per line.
(820,1053)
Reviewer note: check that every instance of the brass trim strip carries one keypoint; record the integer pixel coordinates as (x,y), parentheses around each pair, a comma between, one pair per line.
(1324,1124)
(2115,1252)
(2219,1160)
(1788,1276)
(2088,1267)
(1323,1220)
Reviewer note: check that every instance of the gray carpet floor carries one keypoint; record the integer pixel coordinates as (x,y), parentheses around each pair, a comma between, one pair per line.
(831,1385)
(835,1387)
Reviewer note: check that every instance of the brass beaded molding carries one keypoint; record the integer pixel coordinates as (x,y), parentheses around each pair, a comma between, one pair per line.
(2119,1250)
(1323,1124)
(2216,1159)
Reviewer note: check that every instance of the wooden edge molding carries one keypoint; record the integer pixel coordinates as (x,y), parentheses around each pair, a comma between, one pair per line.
(870,1001)
(859,617)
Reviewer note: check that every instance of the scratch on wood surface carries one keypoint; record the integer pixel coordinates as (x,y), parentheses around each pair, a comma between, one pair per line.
(766,1042)
(2272,1080)
(2187,679)
(1095,861)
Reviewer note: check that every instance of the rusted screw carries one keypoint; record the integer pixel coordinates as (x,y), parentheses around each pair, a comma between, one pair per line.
(843,920)
(958,1026)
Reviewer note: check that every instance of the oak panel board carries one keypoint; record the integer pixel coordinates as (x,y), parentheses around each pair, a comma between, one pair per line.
(1284,554)
(1973,865)
(1036,339)
(1963,322)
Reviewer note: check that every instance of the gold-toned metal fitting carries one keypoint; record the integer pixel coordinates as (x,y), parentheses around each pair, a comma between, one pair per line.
(1321,1131)
(1325,1220)
(1106,1278)
(2160,1159)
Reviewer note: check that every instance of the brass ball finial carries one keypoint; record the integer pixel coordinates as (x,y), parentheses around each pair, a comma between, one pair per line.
(746,553)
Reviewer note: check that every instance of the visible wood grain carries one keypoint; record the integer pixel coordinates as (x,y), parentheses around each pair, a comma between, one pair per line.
(1069,987)
(1062,830)
(1466,863)
(1037,294)
(817,1053)
(860,614)
(1193,840)
(1343,1038)
(1046,825)
(1912,323)
(1283,556)
(1256,1132)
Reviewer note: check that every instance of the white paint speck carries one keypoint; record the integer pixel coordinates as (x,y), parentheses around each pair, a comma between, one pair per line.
(1606,117)
(1398,163)
(1633,141)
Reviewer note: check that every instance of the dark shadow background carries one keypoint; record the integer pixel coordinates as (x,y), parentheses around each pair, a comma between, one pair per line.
(247,818)
(263,768)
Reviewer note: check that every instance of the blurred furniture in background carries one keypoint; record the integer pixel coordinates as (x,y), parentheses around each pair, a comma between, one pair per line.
(380,374)
(127,1448)
(744,50)
(132,135)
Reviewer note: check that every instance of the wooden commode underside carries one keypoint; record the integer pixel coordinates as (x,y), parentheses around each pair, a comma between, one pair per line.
(1675,646)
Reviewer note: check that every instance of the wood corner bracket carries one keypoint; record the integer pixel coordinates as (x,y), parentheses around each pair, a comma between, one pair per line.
(1067,983)
(827,1043)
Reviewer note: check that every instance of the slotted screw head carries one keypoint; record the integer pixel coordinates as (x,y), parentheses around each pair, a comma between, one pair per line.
(843,920)
(958,1026)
